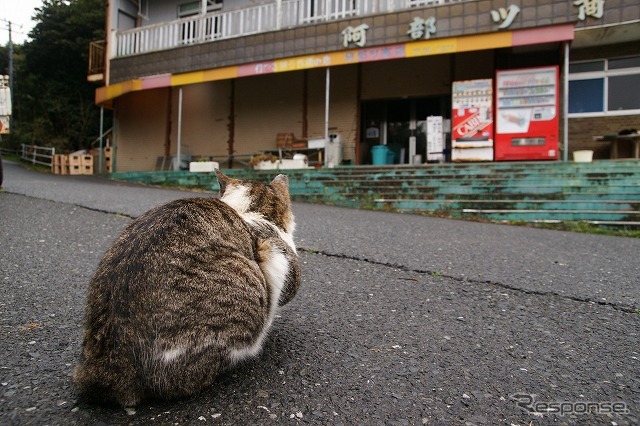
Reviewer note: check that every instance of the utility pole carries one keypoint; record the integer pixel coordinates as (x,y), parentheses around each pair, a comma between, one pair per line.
(10,75)
(10,69)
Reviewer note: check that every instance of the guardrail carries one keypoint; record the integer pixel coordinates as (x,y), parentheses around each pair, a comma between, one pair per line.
(38,154)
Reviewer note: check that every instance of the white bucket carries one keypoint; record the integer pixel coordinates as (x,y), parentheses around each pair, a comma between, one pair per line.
(584,156)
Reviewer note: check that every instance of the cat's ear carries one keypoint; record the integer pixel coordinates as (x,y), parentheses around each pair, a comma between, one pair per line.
(223,180)
(281,180)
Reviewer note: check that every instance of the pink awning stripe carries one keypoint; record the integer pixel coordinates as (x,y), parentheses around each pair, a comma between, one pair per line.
(542,35)
(156,81)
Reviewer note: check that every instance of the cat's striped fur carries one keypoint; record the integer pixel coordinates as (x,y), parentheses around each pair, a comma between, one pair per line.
(189,288)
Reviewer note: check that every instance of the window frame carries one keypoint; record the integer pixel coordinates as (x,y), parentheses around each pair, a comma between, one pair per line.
(214,7)
(604,75)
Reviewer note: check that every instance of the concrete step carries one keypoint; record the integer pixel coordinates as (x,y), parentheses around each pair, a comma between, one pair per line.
(512,205)
(471,192)
(602,191)
(547,215)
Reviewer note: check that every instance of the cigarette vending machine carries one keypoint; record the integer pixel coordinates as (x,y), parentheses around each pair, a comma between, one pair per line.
(472,120)
(527,121)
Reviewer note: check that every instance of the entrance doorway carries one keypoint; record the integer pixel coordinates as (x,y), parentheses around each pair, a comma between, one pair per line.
(393,122)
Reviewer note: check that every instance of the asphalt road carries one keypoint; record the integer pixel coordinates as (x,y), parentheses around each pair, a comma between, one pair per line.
(400,319)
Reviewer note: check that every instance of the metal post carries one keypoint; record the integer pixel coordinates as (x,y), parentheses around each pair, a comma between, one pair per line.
(326,114)
(179,160)
(101,133)
(565,104)
(278,14)
(10,78)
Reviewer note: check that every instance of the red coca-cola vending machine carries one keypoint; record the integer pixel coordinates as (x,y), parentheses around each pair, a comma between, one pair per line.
(527,123)
(472,120)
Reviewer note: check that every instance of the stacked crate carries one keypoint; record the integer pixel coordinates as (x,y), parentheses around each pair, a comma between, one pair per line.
(75,164)
(108,159)
(81,163)
(87,164)
(60,164)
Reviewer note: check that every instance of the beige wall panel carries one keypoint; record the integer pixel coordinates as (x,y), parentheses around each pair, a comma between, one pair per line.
(407,78)
(265,106)
(205,117)
(141,129)
(343,105)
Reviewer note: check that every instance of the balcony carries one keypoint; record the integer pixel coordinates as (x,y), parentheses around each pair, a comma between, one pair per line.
(253,20)
(96,61)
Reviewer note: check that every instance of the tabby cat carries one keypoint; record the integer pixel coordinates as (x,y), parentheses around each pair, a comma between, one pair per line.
(189,288)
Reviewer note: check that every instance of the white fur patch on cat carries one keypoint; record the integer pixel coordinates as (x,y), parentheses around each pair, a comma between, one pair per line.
(237,197)
(275,269)
(170,355)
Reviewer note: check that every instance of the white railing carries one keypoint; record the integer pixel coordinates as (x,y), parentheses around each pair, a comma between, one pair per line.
(252,20)
(37,154)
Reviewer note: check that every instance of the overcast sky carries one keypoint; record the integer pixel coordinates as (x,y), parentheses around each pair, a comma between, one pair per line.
(19,12)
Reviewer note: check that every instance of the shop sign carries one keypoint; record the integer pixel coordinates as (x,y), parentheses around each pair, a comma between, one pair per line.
(422,28)
(593,8)
(505,16)
(375,54)
(356,35)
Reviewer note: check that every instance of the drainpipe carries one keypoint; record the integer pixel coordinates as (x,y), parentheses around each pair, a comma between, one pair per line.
(179,128)
(565,103)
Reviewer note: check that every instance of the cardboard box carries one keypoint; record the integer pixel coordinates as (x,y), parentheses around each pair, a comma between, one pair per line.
(316,143)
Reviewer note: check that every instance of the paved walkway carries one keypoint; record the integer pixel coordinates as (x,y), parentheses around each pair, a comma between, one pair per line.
(401,319)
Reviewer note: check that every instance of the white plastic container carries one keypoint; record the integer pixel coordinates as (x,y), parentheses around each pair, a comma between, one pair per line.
(203,166)
(583,156)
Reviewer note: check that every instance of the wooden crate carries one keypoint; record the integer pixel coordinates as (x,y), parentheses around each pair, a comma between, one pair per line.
(87,164)
(60,164)
(108,159)
(285,140)
(75,170)
(55,167)
(75,160)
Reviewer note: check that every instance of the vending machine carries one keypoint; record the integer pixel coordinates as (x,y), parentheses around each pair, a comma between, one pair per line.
(472,120)
(527,121)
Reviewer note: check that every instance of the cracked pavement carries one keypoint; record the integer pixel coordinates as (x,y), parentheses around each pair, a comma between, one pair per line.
(401,319)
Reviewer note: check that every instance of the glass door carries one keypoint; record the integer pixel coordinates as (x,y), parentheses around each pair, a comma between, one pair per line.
(395,122)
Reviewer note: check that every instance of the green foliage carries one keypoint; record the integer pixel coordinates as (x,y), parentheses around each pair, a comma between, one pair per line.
(53,102)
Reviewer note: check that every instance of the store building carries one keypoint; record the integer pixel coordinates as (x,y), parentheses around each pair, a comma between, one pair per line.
(219,78)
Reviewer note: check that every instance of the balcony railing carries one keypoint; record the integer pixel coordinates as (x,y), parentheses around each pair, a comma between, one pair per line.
(96,57)
(252,20)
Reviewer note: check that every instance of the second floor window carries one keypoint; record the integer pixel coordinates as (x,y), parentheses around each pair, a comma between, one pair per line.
(605,87)
(194,7)
(197,30)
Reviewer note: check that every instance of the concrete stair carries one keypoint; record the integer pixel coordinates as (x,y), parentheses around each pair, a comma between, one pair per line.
(602,192)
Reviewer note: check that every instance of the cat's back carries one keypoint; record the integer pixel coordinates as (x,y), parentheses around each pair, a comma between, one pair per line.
(188,221)
(202,239)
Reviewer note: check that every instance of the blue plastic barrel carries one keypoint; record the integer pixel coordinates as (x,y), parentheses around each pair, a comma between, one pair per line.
(379,154)
(391,157)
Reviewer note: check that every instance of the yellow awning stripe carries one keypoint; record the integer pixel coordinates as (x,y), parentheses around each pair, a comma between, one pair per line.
(369,54)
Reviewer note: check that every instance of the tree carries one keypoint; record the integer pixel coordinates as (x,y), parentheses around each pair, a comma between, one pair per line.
(53,102)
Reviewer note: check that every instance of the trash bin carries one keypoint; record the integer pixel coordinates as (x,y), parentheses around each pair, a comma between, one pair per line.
(379,154)
(391,157)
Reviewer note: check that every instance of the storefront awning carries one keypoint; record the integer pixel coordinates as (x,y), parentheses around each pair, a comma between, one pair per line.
(449,45)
